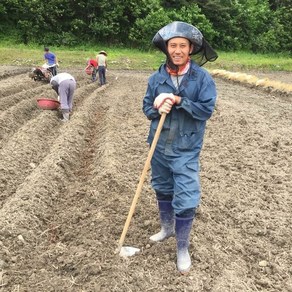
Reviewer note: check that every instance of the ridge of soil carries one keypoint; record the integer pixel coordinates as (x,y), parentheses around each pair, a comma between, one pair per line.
(66,190)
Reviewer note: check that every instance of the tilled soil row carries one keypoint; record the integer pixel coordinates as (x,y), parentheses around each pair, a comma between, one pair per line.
(26,214)
(27,135)
(18,93)
(53,228)
(8,71)
(21,107)
(11,85)
(59,230)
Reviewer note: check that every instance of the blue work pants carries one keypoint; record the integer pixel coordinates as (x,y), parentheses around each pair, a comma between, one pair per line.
(101,75)
(177,176)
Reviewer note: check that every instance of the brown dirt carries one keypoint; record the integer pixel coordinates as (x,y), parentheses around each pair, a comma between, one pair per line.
(66,189)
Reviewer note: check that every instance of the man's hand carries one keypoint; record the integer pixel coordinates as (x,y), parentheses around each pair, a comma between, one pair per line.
(165,107)
(162,97)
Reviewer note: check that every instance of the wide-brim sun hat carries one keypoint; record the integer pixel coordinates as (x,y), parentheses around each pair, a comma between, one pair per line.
(103,52)
(202,51)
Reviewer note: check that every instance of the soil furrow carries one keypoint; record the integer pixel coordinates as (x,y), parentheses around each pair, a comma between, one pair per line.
(16,84)
(61,225)
(10,71)
(42,187)
(10,100)
(23,108)
(25,151)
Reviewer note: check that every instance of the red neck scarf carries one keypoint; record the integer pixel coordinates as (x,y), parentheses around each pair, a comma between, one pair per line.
(181,71)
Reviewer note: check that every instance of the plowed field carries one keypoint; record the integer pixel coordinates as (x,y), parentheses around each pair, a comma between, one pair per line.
(66,189)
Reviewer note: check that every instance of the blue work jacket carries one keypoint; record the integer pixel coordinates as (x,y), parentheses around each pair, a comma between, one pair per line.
(184,126)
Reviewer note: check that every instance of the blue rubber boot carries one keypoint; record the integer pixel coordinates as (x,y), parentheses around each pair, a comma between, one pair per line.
(66,116)
(166,221)
(183,228)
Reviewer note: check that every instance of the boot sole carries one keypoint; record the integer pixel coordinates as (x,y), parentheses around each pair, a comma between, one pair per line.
(172,235)
(185,273)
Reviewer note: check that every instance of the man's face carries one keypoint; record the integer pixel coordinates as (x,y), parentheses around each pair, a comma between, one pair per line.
(179,50)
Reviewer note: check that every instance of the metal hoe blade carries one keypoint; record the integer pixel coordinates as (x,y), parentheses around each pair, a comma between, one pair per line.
(128,251)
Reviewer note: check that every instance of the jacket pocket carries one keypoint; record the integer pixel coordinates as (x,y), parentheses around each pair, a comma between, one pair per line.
(190,141)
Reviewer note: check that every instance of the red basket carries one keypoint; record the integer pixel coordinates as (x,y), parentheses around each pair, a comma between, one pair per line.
(48,104)
(88,70)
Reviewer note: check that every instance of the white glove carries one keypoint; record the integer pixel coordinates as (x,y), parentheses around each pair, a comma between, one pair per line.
(162,97)
(165,107)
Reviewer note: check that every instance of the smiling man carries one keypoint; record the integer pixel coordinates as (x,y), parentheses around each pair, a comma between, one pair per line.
(186,93)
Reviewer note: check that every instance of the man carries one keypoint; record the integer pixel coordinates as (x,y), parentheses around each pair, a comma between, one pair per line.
(51,61)
(186,93)
(64,84)
(101,59)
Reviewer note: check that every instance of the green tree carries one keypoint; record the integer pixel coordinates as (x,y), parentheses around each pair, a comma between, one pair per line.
(221,13)
(277,4)
(258,25)
(283,16)
(144,29)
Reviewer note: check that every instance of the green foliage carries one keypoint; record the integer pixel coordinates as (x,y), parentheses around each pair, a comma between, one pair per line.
(248,24)
(144,29)
(222,16)
(256,25)
(284,20)
(193,14)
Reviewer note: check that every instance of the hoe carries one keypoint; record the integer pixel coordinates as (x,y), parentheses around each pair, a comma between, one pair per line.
(128,250)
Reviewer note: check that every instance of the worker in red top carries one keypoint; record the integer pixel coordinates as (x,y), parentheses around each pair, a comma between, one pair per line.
(91,68)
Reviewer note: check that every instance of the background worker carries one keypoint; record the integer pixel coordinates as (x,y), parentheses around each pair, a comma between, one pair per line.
(91,68)
(64,84)
(51,60)
(185,92)
(101,59)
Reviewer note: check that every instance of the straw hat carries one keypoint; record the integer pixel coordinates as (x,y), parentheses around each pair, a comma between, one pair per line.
(103,52)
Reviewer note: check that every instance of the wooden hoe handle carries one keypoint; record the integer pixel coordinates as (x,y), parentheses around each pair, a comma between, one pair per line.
(142,179)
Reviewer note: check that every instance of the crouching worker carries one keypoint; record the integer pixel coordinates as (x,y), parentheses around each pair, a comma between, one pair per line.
(64,84)
(186,93)
(91,69)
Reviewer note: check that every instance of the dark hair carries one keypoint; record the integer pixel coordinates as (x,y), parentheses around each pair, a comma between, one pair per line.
(46,49)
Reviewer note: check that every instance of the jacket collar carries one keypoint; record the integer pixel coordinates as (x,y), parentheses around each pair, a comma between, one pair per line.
(191,75)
